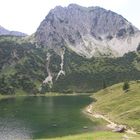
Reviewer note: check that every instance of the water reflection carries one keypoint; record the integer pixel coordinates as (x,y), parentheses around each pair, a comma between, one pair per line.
(42,117)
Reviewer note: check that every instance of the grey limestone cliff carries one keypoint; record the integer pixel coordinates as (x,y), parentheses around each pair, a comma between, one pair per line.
(91,31)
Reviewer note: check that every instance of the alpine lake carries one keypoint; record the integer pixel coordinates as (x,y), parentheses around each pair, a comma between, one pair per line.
(39,117)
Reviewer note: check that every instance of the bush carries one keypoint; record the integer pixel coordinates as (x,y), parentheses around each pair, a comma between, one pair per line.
(126,86)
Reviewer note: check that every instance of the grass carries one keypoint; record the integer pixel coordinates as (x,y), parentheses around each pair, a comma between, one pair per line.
(91,136)
(120,106)
(105,135)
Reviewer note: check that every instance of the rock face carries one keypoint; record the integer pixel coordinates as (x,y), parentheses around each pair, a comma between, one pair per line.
(91,31)
(4,31)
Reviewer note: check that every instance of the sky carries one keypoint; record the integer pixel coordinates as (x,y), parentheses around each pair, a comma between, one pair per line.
(26,15)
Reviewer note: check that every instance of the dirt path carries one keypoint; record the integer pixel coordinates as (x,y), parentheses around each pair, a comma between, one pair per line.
(110,124)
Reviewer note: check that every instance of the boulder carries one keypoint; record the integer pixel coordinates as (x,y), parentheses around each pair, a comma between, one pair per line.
(120,128)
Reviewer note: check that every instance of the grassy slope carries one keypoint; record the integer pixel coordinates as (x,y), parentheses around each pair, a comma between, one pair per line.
(122,107)
(92,136)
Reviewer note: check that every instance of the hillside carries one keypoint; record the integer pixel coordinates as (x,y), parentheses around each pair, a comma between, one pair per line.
(23,66)
(120,106)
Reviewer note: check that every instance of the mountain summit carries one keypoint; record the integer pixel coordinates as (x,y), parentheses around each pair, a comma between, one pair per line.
(89,32)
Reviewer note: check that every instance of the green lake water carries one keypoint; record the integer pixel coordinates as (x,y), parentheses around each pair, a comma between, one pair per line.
(43,117)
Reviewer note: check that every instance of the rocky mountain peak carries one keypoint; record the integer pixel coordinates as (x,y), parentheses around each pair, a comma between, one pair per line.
(91,31)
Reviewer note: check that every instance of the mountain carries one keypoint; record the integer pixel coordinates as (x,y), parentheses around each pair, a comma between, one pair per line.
(4,31)
(75,49)
(89,32)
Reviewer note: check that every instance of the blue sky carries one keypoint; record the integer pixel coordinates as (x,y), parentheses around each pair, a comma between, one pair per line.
(26,15)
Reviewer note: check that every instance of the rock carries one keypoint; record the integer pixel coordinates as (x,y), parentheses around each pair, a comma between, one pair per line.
(120,128)
(88,31)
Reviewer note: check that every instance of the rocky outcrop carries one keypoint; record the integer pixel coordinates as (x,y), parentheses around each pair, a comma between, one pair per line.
(91,31)
(48,80)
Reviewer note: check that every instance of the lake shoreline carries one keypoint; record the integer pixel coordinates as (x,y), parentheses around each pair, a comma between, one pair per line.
(50,94)
(111,125)
(88,110)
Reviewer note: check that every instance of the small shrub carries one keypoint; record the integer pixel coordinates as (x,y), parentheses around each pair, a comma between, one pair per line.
(126,86)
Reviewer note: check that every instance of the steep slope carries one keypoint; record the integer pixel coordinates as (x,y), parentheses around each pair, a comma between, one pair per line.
(17,65)
(91,31)
(4,31)
(84,75)
(25,66)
